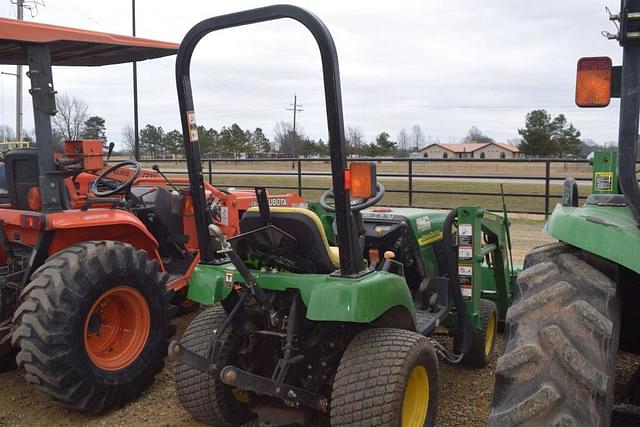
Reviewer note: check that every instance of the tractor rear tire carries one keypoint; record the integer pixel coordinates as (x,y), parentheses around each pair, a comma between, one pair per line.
(562,332)
(92,325)
(205,397)
(483,341)
(386,377)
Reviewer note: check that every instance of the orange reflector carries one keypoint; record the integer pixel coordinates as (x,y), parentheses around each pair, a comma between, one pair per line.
(347,179)
(33,221)
(374,256)
(593,83)
(363,180)
(33,199)
(187,204)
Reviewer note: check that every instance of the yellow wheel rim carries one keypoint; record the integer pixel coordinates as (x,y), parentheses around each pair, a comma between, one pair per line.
(490,334)
(240,395)
(415,404)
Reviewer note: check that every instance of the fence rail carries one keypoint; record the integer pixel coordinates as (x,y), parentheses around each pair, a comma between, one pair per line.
(534,188)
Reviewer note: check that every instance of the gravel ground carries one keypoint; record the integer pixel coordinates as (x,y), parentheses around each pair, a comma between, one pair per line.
(465,393)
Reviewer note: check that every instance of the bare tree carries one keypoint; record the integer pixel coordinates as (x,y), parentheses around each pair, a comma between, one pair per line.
(286,139)
(403,143)
(475,135)
(6,133)
(70,118)
(129,139)
(354,140)
(417,137)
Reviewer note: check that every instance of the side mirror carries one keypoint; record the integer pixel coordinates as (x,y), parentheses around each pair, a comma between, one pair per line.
(593,82)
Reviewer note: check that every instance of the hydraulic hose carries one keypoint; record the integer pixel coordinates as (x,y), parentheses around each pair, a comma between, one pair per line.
(464,330)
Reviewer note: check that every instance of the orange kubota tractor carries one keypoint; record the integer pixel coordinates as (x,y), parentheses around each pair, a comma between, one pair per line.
(94,259)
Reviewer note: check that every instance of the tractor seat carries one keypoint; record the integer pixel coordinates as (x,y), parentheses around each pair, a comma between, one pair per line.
(21,172)
(305,227)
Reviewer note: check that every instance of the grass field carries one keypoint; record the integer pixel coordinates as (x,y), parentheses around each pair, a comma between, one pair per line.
(397,191)
(558,169)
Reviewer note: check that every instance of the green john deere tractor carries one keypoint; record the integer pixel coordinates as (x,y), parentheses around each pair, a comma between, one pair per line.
(575,304)
(325,315)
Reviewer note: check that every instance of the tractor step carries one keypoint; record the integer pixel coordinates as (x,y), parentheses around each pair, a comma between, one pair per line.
(433,296)
(426,322)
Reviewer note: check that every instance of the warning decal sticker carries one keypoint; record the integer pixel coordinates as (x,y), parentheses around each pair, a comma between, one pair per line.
(193,127)
(603,181)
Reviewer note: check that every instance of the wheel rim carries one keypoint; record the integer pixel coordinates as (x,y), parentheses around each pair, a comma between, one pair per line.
(241,396)
(116,328)
(415,403)
(490,334)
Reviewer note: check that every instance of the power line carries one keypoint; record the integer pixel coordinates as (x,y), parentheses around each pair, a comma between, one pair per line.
(295,109)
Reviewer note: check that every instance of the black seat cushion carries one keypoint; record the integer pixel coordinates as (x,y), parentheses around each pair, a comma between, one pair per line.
(298,245)
(21,172)
(161,215)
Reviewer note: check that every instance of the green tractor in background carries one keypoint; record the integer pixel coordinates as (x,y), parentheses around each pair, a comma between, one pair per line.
(325,315)
(576,302)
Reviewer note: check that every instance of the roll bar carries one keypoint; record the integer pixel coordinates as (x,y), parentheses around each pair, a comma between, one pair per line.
(351,262)
(629,105)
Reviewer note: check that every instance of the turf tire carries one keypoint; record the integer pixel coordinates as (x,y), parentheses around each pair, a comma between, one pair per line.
(207,398)
(477,355)
(370,382)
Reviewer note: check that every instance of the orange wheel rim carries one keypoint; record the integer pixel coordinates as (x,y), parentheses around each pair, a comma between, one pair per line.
(116,328)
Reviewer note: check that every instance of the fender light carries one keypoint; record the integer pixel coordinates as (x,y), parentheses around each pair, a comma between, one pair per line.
(33,221)
(593,82)
(363,179)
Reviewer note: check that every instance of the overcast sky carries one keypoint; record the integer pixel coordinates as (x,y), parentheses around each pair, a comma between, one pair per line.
(445,65)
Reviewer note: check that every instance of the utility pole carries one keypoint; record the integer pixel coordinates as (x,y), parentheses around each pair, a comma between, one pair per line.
(295,109)
(17,107)
(19,10)
(136,150)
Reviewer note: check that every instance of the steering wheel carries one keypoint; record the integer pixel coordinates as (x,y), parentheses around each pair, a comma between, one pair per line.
(120,188)
(356,204)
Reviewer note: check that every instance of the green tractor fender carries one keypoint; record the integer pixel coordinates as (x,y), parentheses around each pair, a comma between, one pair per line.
(610,232)
(327,298)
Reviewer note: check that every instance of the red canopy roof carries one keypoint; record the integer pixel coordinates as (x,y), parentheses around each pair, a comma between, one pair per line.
(72,46)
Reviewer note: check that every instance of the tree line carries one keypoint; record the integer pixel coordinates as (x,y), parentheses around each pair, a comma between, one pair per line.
(543,135)
(235,142)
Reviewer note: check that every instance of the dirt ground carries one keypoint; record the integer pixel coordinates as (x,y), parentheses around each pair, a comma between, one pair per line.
(465,393)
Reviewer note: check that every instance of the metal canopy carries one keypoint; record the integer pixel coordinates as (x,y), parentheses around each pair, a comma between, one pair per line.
(72,46)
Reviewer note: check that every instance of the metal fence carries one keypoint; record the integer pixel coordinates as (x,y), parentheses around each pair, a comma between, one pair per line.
(540,180)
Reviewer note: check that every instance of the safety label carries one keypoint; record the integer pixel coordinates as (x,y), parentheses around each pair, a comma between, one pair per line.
(603,181)
(228,279)
(423,223)
(465,270)
(465,252)
(224,215)
(465,234)
(193,127)
(465,276)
